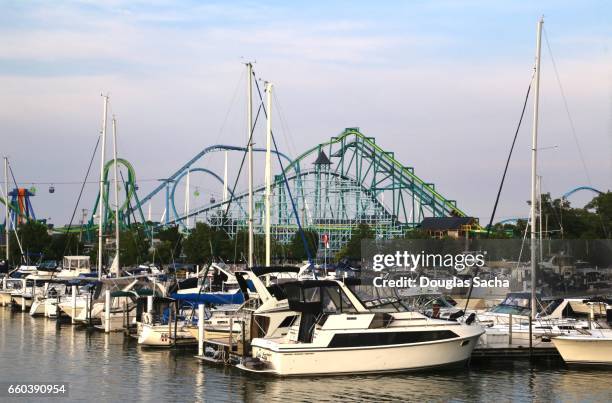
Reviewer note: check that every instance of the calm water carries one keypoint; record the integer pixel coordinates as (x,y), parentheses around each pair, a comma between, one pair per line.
(109,367)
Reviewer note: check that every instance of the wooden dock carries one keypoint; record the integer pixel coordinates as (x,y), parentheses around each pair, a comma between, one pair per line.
(507,351)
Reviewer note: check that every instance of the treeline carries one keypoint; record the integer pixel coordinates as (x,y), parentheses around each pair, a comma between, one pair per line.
(204,242)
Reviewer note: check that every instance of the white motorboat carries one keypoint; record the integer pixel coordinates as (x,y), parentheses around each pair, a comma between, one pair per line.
(9,285)
(590,347)
(73,267)
(45,303)
(161,324)
(332,332)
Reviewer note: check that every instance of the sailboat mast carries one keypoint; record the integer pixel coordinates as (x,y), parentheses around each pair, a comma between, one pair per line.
(101,198)
(116,193)
(268,169)
(250,155)
(534,155)
(6,210)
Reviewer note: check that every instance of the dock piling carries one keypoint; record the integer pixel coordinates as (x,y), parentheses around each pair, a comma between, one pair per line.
(510,329)
(107,311)
(74,291)
(201,329)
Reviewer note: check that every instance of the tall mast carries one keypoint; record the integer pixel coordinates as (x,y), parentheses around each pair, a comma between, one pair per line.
(534,155)
(250,152)
(101,199)
(268,171)
(116,192)
(6,210)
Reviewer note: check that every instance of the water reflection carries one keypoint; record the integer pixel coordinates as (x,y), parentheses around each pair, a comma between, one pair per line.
(112,367)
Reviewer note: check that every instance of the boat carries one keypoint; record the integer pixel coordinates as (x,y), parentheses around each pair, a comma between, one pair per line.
(9,285)
(160,322)
(73,267)
(592,346)
(332,332)
(46,302)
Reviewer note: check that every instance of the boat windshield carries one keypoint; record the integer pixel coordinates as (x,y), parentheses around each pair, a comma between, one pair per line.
(516,304)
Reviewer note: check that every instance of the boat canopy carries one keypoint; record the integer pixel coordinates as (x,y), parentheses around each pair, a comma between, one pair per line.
(261,270)
(76,262)
(221,298)
(143,292)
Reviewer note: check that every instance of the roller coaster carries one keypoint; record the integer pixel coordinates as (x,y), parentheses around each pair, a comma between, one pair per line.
(336,186)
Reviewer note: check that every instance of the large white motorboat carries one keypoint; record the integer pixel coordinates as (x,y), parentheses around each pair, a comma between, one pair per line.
(332,332)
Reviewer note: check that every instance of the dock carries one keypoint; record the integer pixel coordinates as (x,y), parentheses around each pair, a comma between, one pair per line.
(516,351)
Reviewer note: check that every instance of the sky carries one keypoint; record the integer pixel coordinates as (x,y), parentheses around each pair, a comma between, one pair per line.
(440,83)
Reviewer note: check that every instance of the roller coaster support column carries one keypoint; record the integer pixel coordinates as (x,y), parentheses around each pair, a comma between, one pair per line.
(167,201)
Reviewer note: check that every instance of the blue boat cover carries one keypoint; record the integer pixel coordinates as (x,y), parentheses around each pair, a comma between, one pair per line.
(221,298)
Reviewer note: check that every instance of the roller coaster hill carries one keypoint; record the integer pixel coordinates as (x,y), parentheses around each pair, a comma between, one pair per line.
(336,186)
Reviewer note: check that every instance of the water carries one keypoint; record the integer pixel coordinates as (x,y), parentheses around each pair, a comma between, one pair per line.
(110,367)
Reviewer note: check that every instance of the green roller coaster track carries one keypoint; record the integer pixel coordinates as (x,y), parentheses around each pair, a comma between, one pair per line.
(358,183)
(355,181)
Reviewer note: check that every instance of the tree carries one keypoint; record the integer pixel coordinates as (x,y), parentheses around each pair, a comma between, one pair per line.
(602,204)
(205,242)
(169,246)
(296,249)
(34,238)
(352,249)
(61,245)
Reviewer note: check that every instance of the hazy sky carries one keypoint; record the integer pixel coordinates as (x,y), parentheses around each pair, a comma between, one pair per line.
(439,83)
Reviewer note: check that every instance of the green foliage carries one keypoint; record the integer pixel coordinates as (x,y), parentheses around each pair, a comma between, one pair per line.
(34,238)
(133,245)
(296,249)
(416,233)
(352,249)
(63,245)
(169,247)
(204,242)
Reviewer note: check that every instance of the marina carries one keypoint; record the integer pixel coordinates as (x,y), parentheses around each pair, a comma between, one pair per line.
(242,267)
(126,370)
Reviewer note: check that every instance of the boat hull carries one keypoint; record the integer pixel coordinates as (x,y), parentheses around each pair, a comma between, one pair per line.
(5,298)
(585,350)
(378,359)
(163,336)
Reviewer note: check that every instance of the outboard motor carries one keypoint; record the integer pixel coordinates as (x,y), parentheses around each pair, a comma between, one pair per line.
(609,316)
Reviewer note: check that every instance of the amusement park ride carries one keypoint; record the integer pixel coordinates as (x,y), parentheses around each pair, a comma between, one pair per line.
(336,186)
(332,188)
